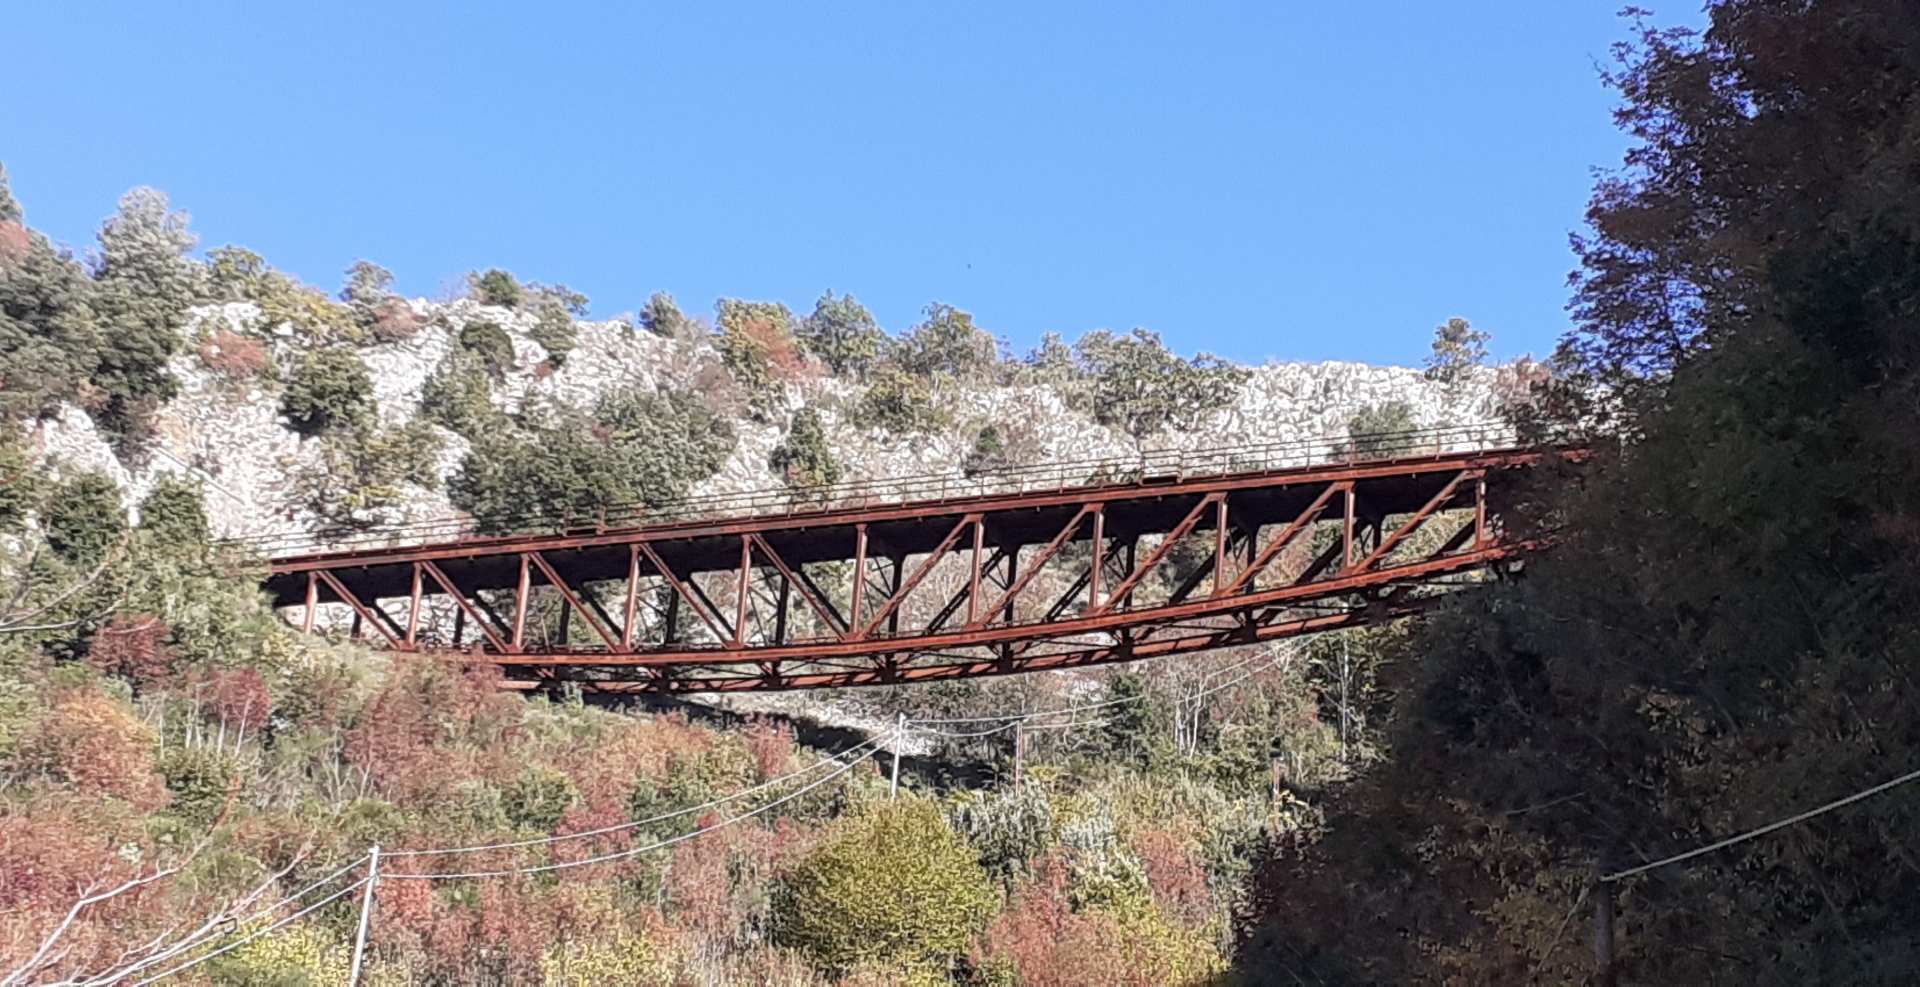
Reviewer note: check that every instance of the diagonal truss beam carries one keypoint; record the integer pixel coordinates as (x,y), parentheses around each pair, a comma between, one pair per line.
(346,596)
(460,598)
(913,582)
(1153,559)
(1283,539)
(1413,523)
(1002,605)
(693,598)
(804,587)
(566,593)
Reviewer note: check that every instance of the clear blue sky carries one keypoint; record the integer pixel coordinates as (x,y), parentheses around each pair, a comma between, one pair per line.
(1301,181)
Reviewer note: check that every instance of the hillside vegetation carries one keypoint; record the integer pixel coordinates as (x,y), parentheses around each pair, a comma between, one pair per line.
(1722,636)
(159,725)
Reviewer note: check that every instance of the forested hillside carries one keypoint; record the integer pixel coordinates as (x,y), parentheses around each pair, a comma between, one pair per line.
(174,752)
(1722,635)
(1725,635)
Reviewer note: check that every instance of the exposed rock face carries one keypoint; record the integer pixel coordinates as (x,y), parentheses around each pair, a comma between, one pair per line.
(230,434)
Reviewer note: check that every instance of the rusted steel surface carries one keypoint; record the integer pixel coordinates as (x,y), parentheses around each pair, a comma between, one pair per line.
(987,584)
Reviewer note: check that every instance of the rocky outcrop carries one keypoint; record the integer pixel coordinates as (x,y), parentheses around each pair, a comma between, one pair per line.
(229,433)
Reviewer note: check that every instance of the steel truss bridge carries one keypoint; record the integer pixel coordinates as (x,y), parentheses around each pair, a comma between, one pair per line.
(1066,565)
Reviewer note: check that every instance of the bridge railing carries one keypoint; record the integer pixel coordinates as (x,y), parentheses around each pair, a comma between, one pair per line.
(1156,466)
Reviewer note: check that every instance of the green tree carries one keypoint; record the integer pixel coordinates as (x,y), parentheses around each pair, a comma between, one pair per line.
(896,885)
(899,403)
(1457,349)
(946,345)
(1716,631)
(662,317)
(330,389)
(554,330)
(843,334)
(175,512)
(83,518)
(49,337)
(491,345)
(495,287)
(636,449)
(459,395)
(20,484)
(804,459)
(1137,385)
(757,347)
(144,285)
(1129,726)
(1380,429)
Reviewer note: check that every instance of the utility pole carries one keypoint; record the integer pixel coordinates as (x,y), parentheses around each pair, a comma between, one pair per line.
(899,735)
(1019,750)
(366,913)
(1606,972)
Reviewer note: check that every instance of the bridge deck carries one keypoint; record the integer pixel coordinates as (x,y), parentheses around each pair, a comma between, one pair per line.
(998,582)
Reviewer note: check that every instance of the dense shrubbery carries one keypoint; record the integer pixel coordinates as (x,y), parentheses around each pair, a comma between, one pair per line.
(489,344)
(83,518)
(330,389)
(494,287)
(357,478)
(897,884)
(757,347)
(900,403)
(635,449)
(1135,384)
(175,512)
(459,395)
(804,459)
(843,335)
(235,274)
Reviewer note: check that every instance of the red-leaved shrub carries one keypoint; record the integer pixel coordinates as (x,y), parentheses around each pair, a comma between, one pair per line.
(1176,877)
(232,355)
(133,648)
(92,743)
(771,745)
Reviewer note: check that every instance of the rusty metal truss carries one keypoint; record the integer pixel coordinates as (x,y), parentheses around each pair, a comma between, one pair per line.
(987,584)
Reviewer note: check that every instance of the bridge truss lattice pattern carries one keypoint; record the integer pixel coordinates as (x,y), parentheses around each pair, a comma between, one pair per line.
(1063,566)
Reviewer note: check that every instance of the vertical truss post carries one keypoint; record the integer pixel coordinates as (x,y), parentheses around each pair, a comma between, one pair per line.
(973,580)
(1099,556)
(1013,566)
(859,574)
(520,592)
(459,627)
(671,632)
(1346,532)
(313,601)
(632,611)
(1219,542)
(899,738)
(742,589)
(1480,511)
(899,565)
(780,611)
(413,611)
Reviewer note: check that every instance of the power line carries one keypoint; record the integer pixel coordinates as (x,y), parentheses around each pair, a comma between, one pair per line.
(1768,828)
(316,906)
(636,851)
(635,823)
(1038,714)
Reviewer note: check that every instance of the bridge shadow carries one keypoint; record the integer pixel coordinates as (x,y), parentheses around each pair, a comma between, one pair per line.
(937,771)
